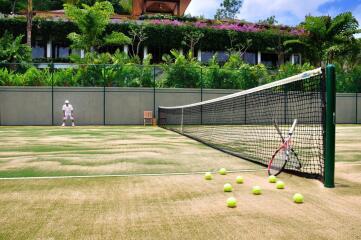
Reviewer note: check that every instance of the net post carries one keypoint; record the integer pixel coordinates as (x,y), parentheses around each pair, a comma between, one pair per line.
(329,178)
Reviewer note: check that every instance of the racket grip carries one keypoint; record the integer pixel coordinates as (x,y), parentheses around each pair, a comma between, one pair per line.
(293,126)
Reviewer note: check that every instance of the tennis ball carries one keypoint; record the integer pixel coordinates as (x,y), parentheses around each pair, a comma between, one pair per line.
(256,190)
(227,187)
(280,184)
(298,198)
(239,179)
(231,202)
(272,179)
(222,171)
(208,176)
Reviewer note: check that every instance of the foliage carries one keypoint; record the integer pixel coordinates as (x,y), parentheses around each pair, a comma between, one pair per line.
(329,37)
(36,77)
(15,6)
(158,16)
(116,38)
(12,49)
(169,36)
(191,39)
(288,70)
(181,71)
(348,80)
(269,21)
(92,22)
(228,9)
(138,36)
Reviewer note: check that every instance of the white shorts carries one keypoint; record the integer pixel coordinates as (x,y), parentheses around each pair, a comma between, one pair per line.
(68,116)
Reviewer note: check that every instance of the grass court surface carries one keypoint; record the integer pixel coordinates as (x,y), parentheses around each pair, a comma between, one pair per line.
(162,206)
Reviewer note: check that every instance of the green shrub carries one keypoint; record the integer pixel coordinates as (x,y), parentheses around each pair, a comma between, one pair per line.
(181,72)
(36,77)
(65,77)
(348,80)
(289,69)
(5,77)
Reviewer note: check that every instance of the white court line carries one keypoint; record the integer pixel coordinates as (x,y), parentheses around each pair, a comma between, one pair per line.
(129,175)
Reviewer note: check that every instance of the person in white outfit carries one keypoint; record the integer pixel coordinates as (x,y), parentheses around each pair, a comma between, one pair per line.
(68,111)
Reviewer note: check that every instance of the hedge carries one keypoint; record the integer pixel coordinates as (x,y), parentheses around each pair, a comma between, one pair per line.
(167,36)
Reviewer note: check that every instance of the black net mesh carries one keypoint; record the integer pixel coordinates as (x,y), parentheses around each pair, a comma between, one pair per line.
(244,124)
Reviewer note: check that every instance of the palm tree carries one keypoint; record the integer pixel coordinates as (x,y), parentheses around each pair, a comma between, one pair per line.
(29,17)
(328,37)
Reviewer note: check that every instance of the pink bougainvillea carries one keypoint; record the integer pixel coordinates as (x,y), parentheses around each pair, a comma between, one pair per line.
(167,22)
(234,26)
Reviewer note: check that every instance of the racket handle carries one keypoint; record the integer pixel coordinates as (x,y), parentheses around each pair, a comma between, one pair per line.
(293,127)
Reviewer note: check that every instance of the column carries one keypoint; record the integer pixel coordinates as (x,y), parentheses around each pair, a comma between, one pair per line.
(199,56)
(293,58)
(48,49)
(126,49)
(259,57)
(145,52)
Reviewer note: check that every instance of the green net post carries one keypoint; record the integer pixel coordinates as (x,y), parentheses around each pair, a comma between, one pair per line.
(329,180)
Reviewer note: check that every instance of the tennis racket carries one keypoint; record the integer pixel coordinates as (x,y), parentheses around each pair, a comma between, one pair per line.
(284,153)
(294,156)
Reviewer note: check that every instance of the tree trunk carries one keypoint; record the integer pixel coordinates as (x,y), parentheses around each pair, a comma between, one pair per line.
(29,17)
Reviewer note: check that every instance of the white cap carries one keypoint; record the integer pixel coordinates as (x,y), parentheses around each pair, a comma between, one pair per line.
(66,101)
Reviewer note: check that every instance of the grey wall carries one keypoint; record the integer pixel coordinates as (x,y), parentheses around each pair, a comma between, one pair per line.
(33,105)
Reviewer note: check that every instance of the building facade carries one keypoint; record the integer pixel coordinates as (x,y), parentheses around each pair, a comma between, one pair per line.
(48,49)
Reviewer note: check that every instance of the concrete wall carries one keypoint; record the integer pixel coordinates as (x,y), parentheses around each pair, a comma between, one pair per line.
(115,106)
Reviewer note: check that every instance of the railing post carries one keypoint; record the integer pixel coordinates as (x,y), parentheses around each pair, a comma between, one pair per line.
(52,93)
(104,97)
(329,179)
(153,91)
(201,95)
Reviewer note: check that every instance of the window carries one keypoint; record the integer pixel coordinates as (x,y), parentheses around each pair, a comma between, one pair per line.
(60,50)
(206,56)
(250,57)
(269,59)
(297,59)
(38,50)
(222,56)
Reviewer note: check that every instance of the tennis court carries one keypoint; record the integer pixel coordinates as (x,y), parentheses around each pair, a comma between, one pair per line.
(152,202)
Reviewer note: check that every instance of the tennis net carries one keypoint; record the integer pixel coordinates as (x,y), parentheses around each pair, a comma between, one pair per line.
(243,124)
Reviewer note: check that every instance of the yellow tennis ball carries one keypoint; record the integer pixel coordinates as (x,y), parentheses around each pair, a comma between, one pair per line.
(298,198)
(208,176)
(239,179)
(256,190)
(222,171)
(231,202)
(227,187)
(272,179)
(280,184)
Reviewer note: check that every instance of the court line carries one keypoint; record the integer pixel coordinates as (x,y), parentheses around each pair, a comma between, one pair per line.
(129,175)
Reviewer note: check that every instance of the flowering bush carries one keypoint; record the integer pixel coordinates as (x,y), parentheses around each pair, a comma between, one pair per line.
(230,25)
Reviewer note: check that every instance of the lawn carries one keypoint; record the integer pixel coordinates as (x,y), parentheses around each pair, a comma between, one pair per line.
(165,206)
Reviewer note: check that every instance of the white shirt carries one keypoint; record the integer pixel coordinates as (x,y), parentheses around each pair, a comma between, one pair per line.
(67,109)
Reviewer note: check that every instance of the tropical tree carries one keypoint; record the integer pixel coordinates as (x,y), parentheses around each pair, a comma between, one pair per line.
(92,21)
(191,39)
(13,50)
(269,21)
(138,36)
(237,47)
(228,9)
(328,37)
